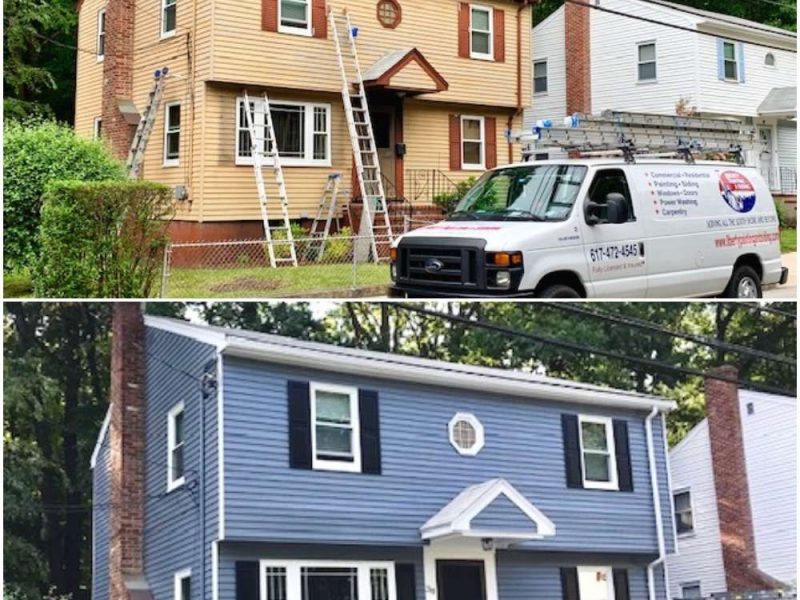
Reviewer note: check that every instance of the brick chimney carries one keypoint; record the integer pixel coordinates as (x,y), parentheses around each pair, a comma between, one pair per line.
(730,482)
(127,447)
(118,74)
(578,52)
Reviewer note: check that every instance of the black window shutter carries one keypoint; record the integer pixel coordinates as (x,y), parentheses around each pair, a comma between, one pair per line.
(622,448)
(572,450)
(406,585)
(569,583)
(370,432)
(247,586)
(621,588)
(299,425)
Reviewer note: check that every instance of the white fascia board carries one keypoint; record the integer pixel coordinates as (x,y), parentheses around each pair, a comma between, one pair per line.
(206,335)
(100,438)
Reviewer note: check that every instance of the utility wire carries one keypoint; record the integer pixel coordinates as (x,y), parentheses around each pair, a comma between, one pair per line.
(758,308)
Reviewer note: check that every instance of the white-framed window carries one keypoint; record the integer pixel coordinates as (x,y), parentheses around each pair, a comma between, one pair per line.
(183,585)
(169,18)
(101,34)
(466,434)
(294,17)
(97,128)
(684,512)
(730,61)
(302,130)
(769,59)
(646,53)
(335,428)
(595,583)
(540,76)
(473,146)
(176,438)
(481,34)
(598,460)
(691,590)
(172,134)
(326,579)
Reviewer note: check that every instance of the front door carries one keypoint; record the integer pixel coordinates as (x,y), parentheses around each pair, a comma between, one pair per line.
(383,129)
(765,155)
(460,580)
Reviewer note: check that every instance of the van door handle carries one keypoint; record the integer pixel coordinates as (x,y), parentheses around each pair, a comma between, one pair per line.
(641,249)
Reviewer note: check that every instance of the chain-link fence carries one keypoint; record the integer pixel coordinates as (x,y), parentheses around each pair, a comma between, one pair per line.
(763,595)
(338,266)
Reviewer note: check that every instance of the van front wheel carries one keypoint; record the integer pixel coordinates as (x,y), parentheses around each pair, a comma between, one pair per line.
(558,290)
(744,283)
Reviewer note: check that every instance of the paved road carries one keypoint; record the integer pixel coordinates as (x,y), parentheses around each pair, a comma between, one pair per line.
(789,289)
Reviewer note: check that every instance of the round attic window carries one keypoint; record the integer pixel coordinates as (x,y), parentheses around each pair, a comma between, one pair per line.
(389,13)
(466,434)
(769,59)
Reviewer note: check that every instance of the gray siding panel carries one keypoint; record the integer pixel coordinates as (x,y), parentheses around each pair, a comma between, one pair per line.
(100,525)
(502,514)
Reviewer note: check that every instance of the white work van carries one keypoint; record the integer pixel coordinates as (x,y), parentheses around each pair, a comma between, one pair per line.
(599,228)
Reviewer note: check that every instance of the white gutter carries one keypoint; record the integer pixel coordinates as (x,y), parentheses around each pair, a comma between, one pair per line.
(651,587)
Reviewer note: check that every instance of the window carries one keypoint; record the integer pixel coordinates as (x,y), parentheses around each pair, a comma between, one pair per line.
(540,76)
(183,585)
(684,519)
(302,131)
(769,59)
(335,431)
(472,147)
(172,135)
(101,34)
(293,17)
(466,434)
(731,65)
(389,13)
(97,128)
(327,580)
(647,61)
(597,453)
(595,583)
(168,17)
(611,181)
(480,32)
(690,591)
(175,447)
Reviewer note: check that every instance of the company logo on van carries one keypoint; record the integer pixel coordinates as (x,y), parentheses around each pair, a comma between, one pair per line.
(737,191)
(433,265)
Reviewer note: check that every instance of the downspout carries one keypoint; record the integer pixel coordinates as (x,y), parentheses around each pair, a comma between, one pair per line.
(519,107)
(648,425)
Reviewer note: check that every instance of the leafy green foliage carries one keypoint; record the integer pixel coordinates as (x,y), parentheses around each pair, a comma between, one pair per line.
(448,201)
(102,240)
(37,153)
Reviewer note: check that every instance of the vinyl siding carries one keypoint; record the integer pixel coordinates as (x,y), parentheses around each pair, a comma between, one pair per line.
(502,515)
(89,72)
(100,526)
(787,144)
(548,42)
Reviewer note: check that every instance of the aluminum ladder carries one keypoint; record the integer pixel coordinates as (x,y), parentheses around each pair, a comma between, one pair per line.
(264,148)
(375,220)
(145,126)
(327,212)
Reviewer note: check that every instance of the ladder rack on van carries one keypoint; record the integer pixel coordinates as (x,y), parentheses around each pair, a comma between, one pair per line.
(637,134)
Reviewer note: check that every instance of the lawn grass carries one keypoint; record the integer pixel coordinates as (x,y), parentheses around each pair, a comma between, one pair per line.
(788,240)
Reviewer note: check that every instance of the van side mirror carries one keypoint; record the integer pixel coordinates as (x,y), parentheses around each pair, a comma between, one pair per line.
(616,208)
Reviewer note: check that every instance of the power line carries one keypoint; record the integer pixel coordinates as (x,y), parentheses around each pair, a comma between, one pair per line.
(758,308)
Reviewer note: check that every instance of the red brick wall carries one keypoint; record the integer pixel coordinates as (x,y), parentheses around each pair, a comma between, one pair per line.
(118,74)
(576,40)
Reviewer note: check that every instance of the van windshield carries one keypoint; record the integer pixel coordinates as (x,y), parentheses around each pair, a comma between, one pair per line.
(525,193)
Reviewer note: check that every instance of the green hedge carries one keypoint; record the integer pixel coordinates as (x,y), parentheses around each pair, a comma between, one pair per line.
(102,240)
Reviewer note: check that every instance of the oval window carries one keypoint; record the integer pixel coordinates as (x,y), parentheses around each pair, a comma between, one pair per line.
(389,13)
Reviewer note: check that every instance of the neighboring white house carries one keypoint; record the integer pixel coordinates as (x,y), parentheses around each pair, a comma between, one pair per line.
(703,491)
(647,67)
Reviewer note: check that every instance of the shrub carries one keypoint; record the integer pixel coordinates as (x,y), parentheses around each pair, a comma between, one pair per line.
(102,240)
(338,246)
(37,153)
(448,201)
(284,250)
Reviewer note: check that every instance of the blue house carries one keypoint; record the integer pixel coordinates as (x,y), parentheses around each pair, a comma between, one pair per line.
(236,465)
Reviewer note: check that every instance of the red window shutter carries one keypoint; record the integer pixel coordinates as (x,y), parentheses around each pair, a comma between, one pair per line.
(490,131)
(319,20)
(499,35)
(463,30)
(269,15)
(455,143)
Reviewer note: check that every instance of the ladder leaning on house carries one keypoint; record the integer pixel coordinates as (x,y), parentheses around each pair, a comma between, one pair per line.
(145,126)
(327,212)
(264,148)
(375,216)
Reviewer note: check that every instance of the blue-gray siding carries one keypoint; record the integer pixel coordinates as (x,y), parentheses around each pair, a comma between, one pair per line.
(502,514)
(100,499)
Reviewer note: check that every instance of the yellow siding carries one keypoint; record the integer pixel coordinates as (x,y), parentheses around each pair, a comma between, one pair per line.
(89,77)
(412,76)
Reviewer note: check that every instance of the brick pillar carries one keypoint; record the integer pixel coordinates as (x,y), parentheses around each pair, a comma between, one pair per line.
(127,446)
(576,42)
(118,74)
(730,482)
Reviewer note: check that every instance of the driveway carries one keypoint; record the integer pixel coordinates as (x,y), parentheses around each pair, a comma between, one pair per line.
(789,289)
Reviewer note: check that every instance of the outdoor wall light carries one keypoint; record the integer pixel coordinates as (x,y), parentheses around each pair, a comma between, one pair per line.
(487,544)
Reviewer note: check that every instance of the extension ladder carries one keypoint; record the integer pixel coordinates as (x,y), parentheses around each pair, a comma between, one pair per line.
(327,212)
(265,148)
(145,126)
(375,217)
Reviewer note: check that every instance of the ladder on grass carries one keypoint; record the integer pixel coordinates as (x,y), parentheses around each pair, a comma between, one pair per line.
(327,212)
(264,148)
(145,126)
(375,220)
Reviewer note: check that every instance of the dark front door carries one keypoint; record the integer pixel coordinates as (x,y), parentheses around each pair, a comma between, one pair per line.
(460,580)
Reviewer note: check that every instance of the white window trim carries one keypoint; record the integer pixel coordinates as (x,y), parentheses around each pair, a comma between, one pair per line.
(353,466)
(308,129)
(546,75)
(101,14)
(476,425)
(294,578)
(171,162)
(172,32)
(466,549)
(179,577)
(173,412)
(307,32)
(97,124)
(470,166)
(612,484)
(609,578)
(736,59)
(640,62)
(683,490)
(696,583)
(490,11)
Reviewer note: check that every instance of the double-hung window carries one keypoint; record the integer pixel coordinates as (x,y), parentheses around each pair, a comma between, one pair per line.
(176,437)
(183,585)
(97,128)
(540,76)
(480,32)
(101,34)
(473,147)
(730,61)
(691,590)
(293,17)
(598,458)
(595,583)
(326,580)
(647,61)
(172,135)
(684,518)
(335,429)
(169,16)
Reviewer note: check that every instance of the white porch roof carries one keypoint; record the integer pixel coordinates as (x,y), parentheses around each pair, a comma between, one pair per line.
(779,102)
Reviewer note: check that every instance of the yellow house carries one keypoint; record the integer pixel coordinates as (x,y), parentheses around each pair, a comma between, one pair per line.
(445,81)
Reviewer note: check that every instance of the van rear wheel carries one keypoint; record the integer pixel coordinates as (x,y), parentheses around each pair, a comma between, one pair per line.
(744,283)
(559,290)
